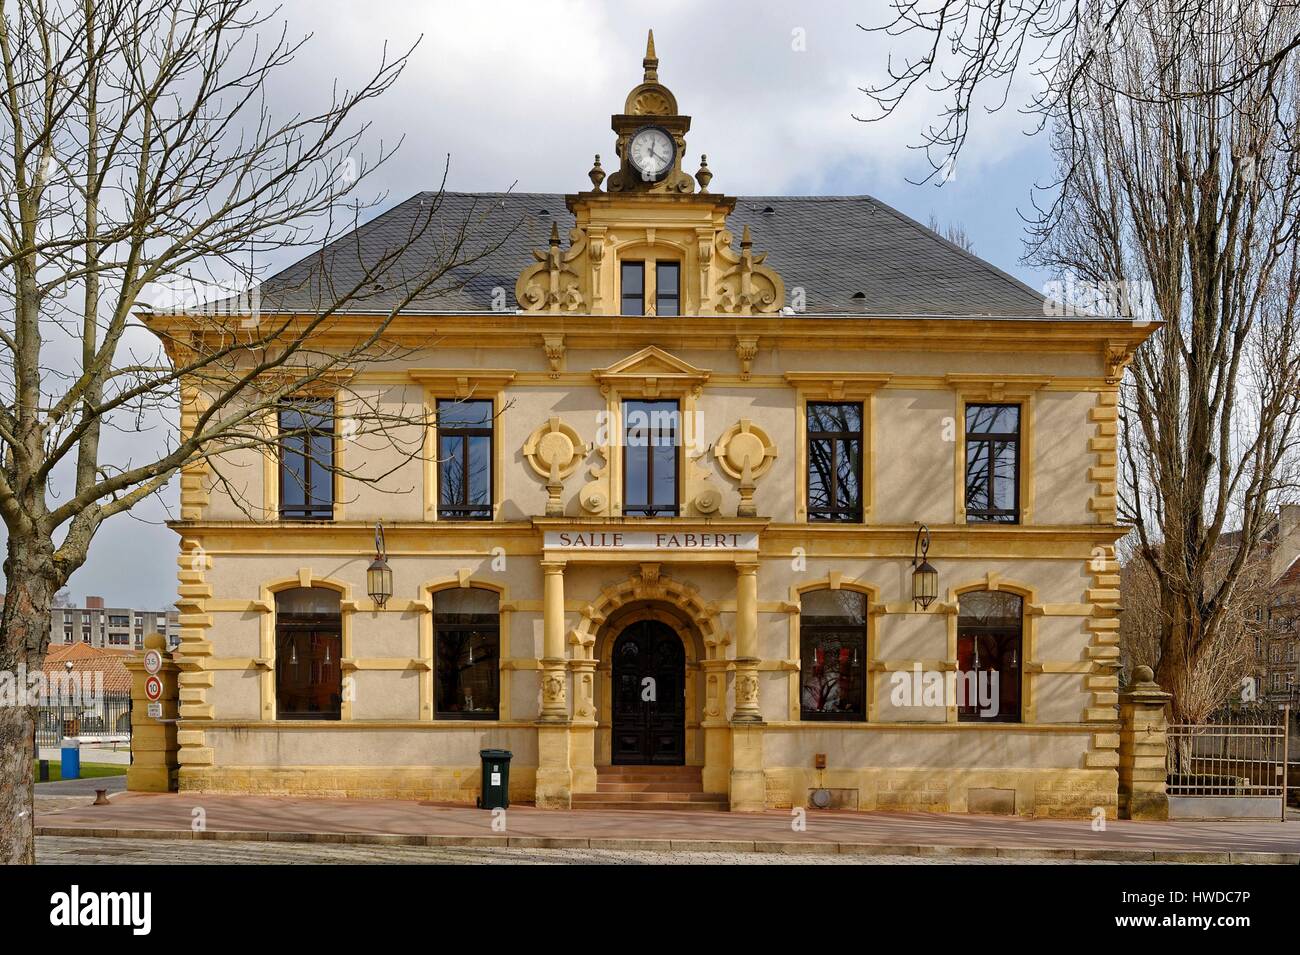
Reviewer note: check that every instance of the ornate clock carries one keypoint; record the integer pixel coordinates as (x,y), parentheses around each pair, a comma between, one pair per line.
(652,151)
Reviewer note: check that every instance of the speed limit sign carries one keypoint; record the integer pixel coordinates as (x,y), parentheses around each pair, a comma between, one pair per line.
(153,689)
(153,661)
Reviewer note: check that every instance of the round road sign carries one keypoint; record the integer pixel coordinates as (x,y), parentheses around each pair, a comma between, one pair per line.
(153,688)
(153,661)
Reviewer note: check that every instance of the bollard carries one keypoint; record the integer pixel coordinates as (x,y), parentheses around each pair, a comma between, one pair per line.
(44,773)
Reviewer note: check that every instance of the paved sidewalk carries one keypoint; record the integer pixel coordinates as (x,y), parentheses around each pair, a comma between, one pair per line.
(288,819)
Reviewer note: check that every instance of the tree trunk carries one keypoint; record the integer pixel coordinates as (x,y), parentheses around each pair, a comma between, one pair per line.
(24,637)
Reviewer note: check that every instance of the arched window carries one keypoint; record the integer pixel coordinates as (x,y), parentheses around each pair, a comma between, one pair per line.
(990,628)
(308,644)
(832,655)
(467,644)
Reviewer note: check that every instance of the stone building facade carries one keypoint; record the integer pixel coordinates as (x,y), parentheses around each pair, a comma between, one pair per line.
(668,513)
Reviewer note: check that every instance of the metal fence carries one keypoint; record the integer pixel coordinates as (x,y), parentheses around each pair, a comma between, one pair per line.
(1241,755)
(106,719)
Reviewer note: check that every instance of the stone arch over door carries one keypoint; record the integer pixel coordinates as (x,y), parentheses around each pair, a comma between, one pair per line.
(650,596)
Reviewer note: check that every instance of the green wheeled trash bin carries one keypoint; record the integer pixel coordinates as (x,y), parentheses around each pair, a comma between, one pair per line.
(496,778)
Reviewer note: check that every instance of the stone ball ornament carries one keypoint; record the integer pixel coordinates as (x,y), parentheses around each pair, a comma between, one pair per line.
(554,446)
(744,441)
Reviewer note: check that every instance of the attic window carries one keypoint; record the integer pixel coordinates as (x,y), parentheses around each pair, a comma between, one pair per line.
(768,210)
(544,212)
(859,295)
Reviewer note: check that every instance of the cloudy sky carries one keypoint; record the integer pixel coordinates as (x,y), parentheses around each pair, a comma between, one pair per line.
(520,94)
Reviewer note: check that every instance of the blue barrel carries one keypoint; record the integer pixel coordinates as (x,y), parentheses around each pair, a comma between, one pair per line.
(70,763)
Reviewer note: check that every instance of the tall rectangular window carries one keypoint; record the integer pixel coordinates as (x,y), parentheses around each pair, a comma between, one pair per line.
(668,288)
(835,461)
(465,460)
(307,460)
(632,288)
(651,432)
(992,464)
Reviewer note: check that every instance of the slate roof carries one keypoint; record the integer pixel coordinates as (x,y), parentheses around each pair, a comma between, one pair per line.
(831,246)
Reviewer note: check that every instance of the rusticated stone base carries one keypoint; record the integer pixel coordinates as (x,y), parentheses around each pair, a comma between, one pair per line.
(459,784)
(1052,793)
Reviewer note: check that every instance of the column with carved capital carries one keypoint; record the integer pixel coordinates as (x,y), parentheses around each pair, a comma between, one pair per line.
(746,710)
(554,788)
(555,706)
(748,781)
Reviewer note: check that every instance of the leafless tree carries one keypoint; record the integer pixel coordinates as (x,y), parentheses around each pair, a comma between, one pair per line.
(974,52)
(1190,204)
(137,151)
(955,233)
(1215,678)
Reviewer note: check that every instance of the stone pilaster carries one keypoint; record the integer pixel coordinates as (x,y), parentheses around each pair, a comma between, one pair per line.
(1142,748)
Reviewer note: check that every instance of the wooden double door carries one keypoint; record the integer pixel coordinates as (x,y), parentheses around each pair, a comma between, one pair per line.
(649,696)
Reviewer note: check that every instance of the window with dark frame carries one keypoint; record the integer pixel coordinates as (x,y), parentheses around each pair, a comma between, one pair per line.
(307,460)
(834,461)
(465,460)
(632,288)
(668,285)
(308,645)
(467,646)
(651,431)
(990,636)
(833,655)
(992,464)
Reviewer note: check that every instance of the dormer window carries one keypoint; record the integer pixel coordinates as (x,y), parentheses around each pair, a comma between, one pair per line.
(633,288)
(663,288)
(668,288)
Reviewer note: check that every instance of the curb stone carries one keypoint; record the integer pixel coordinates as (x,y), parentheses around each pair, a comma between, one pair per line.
(687,845)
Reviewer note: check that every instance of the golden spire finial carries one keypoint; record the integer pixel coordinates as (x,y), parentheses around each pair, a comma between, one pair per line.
(651,62)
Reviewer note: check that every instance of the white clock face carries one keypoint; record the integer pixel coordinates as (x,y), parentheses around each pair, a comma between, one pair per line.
(652,152)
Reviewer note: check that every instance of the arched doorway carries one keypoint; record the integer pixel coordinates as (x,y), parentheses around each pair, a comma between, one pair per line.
(648,668)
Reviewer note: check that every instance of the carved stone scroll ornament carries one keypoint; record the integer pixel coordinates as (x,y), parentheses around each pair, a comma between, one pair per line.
(745,285)
(554,284)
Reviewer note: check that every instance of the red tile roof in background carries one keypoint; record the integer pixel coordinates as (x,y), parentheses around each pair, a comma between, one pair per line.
(88,659)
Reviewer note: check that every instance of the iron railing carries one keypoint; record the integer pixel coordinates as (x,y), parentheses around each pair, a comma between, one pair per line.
(104,719)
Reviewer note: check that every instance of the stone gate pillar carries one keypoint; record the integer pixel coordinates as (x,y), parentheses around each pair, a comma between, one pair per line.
(1142,748)
(153,741)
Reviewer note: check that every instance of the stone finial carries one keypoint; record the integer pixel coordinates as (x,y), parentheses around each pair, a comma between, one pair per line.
(596,175)
(651,62)
(746,242)
(555,235)
(704,176)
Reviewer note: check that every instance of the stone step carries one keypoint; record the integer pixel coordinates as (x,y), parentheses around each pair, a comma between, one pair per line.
(649,786)
(714,802)
(647,773)
(650,797)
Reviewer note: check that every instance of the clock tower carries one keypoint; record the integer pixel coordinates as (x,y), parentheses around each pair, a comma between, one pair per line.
(650,243)
(651,136)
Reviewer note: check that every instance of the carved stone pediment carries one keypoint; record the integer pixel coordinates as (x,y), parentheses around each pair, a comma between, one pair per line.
(651,371)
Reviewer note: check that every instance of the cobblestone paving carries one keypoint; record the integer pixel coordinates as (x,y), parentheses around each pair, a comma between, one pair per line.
(54,850)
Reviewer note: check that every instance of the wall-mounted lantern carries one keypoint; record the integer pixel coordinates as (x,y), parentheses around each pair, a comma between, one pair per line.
(925,579)
(379,576)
